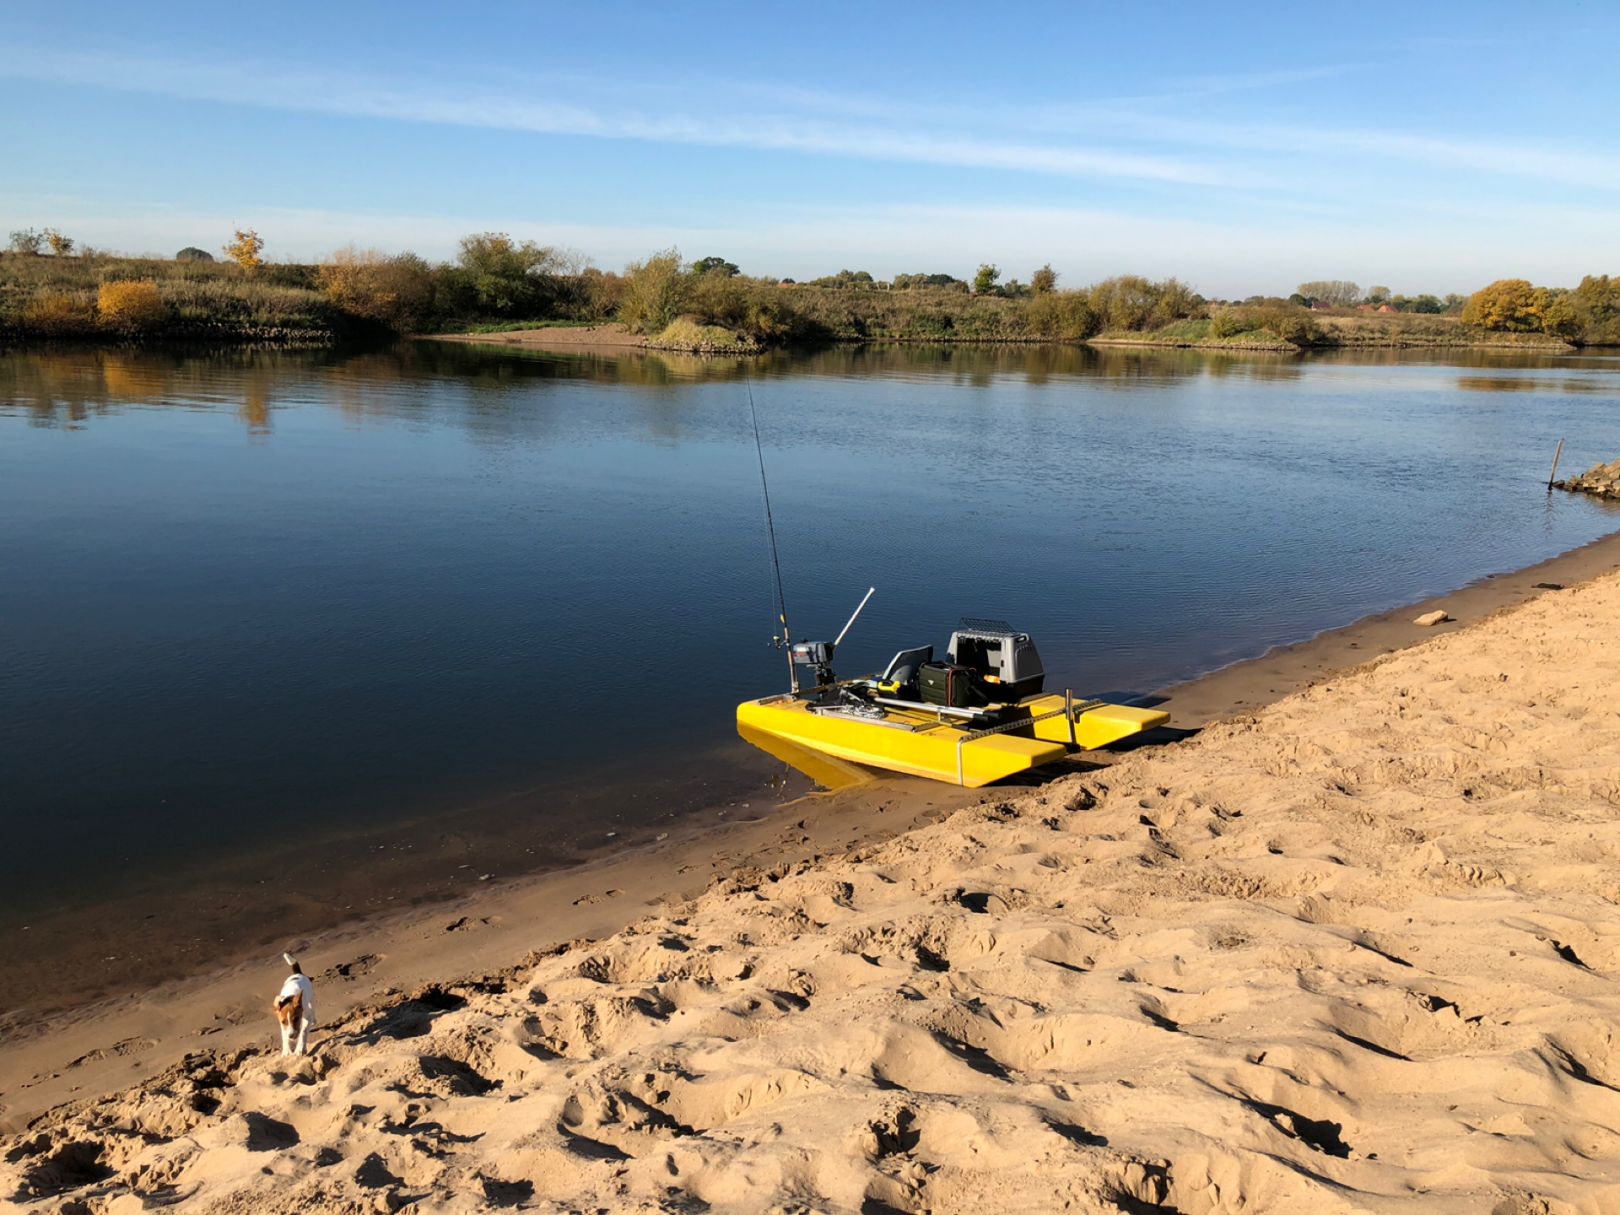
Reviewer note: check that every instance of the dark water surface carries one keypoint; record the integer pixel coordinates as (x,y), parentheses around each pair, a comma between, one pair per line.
(251,601)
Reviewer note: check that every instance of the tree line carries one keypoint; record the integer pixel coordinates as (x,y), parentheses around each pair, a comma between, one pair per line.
(1588,313)
(494,279)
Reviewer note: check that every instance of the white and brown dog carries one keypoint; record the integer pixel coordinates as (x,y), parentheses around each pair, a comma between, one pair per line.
(295,1009)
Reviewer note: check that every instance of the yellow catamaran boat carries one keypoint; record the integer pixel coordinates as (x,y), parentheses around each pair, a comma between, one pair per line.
(976,717)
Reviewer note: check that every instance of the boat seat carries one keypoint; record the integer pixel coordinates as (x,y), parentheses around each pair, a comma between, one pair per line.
(902,669)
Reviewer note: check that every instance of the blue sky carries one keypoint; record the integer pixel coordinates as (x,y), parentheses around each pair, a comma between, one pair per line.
(1244,148)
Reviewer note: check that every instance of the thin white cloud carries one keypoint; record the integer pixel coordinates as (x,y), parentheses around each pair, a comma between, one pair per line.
(1544,163)
(309,92)
(1238,82)
(1123,134)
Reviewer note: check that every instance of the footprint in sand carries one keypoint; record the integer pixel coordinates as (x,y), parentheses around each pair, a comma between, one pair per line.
(467,922)
(353,969)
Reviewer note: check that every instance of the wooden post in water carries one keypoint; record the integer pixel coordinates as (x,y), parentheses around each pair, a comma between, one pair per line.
(1553,476)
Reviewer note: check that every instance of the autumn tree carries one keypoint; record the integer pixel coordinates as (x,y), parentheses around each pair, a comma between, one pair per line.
(1043,280)
(1377,296)
(1597,303)
(245,248)
(1126,301)
(26,240)
(60,245)
(1509,303)
(1335,293)
(655,291)
(1599,296)
(600,293)
(717,298)
(1129,301)
(1176,301)
(1560,312)
(984,281)
(395,291)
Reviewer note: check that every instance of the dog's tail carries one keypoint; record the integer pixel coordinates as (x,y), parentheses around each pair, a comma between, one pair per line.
(293,962)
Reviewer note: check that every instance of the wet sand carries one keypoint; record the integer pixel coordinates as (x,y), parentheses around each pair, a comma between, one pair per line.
(106,1044)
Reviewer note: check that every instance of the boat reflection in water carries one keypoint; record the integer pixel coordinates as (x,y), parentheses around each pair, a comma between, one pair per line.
(826,771)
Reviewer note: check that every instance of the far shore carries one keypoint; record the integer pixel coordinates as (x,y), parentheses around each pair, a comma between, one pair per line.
(616,337)
(59,1055)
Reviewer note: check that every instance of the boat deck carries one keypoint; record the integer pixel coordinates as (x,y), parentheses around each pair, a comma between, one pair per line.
(960,749)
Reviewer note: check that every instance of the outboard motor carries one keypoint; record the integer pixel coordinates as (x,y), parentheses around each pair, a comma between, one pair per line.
(817,654)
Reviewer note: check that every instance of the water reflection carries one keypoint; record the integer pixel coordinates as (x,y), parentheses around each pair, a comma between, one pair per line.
(822,770)
(443,573)
(1498,383)
(70,387)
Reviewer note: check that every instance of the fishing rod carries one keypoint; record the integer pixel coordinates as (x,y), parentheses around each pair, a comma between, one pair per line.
(785,642)
(817,654)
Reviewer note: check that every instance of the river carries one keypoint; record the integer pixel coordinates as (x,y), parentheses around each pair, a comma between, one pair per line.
(470,609)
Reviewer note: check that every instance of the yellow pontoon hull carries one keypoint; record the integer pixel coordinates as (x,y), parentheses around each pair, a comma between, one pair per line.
(923,742)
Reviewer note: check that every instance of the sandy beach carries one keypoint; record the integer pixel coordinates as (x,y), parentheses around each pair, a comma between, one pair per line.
(1351,949)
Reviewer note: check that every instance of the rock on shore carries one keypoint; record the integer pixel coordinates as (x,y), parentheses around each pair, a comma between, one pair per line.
(1602,480)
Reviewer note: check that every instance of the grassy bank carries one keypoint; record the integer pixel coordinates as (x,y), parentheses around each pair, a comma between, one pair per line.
(1349,332)
(76,299)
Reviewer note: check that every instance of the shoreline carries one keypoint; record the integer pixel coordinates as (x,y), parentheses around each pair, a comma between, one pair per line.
(613,336)
(111,1043)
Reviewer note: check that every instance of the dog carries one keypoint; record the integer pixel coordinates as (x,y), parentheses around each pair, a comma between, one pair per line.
(295,1009)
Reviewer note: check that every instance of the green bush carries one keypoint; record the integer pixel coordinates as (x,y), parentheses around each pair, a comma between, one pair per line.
(655,292)
(1065,315)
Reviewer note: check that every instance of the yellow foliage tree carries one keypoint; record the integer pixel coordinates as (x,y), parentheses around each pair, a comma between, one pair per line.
(131,306)
(60,245)
(1508,303)
(244,250)
(394,291)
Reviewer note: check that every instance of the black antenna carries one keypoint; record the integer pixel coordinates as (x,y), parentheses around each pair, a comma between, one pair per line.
(770,530)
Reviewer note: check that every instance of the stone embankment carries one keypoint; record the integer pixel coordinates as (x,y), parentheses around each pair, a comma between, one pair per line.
(1602,480)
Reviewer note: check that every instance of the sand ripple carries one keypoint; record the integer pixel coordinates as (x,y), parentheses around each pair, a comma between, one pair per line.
(1356,952)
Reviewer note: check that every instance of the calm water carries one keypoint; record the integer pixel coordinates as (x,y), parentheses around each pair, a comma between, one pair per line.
(254,600)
